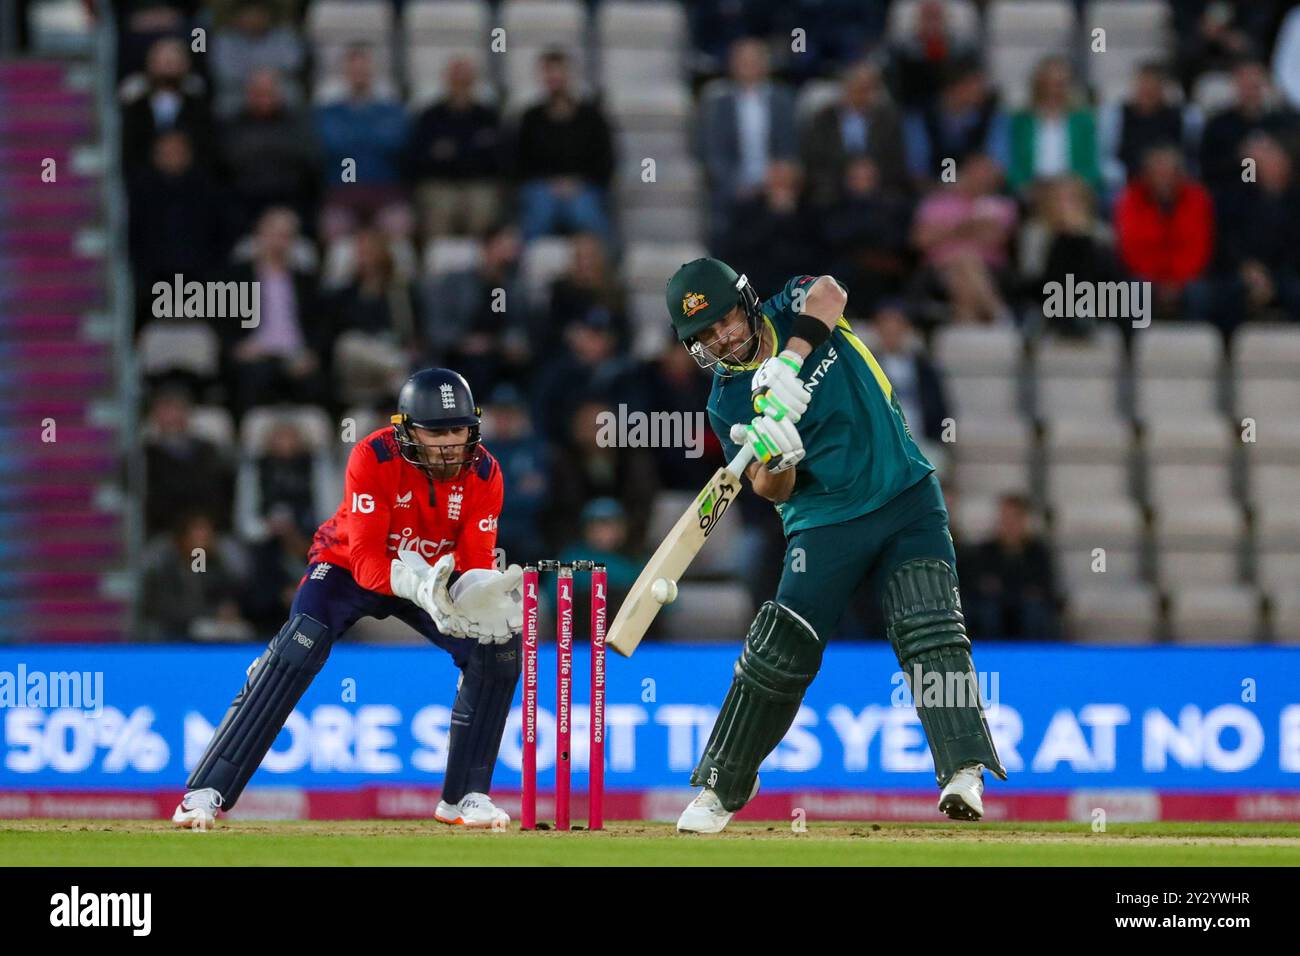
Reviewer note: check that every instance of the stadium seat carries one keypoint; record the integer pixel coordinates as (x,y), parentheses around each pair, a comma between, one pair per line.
(1136,31)
(1264,363)
(1273,464)
(1124,614)
(708,612)
(810,99)
(1078,379)
(1019,33)
(964,350)
(319,433)
(1113,524)
(1285,604)
(1198,541)
(1087,460)
(974,517)
(649,109)
(543,261)
(1213,91)
(1177,368)
(1276,554)
(963,20)
(172,345)
(215,424)
(532,27)
(993,456)
(368,367)
(1215,615)
(1189,458)
(647,264)
(983,396)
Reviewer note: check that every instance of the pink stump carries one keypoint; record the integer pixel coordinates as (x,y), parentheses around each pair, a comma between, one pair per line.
(596,786)
(563,693)
(528,808)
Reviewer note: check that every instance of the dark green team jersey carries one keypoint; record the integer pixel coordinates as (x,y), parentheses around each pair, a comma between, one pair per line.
(859,450)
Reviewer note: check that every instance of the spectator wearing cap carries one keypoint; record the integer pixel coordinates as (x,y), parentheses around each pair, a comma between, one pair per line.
(167,97)
(454,156)
(364,128)
(1056,135)
(861,124)
(183,472)
(1009,588)
(964,119)
(477,320)
(604,539)
(589,363)
(747,124)
(508,431)
(563,158)
(1164,227)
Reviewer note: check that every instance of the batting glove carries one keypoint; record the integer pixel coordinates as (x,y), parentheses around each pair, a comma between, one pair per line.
(776,442)
(778,391)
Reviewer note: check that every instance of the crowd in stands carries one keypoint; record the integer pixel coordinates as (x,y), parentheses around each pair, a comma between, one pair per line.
(934,199)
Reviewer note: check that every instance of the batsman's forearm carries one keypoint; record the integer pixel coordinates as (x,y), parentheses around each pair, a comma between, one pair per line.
(773,487)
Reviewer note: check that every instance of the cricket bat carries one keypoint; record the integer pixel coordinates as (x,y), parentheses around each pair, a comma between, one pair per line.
(675,554)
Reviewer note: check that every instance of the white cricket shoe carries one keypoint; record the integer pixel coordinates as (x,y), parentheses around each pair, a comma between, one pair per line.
(705,814)
(475,810)
(963,799)
(198,809)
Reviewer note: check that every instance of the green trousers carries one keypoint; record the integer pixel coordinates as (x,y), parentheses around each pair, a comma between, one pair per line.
(825,566)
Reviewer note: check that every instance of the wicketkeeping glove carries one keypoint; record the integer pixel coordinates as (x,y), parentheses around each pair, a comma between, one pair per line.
(412,578)
(492,602)
(776,443)
(778,391)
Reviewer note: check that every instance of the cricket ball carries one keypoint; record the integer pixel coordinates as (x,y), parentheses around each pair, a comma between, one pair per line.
(664,591)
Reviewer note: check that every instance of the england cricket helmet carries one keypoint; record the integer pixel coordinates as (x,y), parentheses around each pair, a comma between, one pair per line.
(435,398)
(700,294)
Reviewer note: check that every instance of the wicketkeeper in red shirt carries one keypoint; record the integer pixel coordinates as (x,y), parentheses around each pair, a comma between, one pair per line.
(415,538)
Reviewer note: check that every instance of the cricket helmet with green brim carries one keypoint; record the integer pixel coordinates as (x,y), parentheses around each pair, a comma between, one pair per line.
(700,294)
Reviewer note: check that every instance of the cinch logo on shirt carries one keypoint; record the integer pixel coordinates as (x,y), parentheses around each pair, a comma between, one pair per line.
(407,541)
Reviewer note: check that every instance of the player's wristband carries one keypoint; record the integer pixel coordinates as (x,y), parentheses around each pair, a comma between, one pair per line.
(811,330)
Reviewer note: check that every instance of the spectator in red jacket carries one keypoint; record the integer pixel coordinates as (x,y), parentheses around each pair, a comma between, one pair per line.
(1164,225)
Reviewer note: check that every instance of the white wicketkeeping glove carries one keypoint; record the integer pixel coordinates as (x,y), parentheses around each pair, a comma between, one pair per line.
(492,602)
(776,443)
(778,390)
(412,578)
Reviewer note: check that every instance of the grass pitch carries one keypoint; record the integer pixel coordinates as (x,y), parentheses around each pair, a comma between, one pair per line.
(393,843)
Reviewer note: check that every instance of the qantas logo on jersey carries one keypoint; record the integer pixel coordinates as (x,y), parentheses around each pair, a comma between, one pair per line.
(403,501)
(408,541)
(815,378)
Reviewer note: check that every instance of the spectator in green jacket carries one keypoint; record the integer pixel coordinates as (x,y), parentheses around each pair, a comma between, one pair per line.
(1057,134)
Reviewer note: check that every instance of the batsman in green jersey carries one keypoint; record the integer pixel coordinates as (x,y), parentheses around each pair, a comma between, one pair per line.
(861,507)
